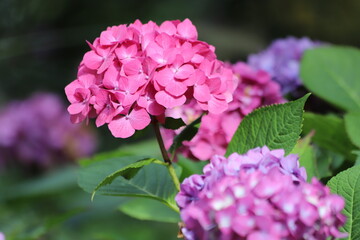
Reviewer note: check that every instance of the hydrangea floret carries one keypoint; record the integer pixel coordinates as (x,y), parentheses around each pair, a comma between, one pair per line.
(282,60)
(136,71)
(255,89)
(258,195)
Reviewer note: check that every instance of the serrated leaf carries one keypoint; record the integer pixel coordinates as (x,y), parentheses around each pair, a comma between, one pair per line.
(347,184)
(329,133)
(186,134)
(352,124)
(126,172)
(333,74)
(152,181)
(173,123)
(276,126)
(148,209)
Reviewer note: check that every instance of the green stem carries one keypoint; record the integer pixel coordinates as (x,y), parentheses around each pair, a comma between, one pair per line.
(175,179)
(160,141)
(165,154)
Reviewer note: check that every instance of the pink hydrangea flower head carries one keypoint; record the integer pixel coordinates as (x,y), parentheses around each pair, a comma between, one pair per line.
(253,196)
(254,89)
(136,71)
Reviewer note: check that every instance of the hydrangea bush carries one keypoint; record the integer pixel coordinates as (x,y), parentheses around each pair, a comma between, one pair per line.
(254,186)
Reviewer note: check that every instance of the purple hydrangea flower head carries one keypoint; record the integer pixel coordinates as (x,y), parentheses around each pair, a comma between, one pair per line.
(38,131)
(258,196)
(282,60)
(2,236)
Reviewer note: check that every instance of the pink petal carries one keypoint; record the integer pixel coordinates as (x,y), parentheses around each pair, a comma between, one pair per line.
(106,63)
(202,150)
(184,71)
(132,67)
(128,86)
(139,118)
(111,78)
(92,60)
(76,108)
(155,109)
(70,90)
(164,76)
(176,88)
(202,93)
(169,101)
(187,30)
(121,127)
(217,106)
(168,27)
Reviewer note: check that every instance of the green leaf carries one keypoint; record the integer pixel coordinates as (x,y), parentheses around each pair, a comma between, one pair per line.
(148,209)
(329,133)
(306,155)
(276,126)
(190,167)
(148,147)
(52,183)
(352,124)
(126,172)
(186,135)
(333,73)
(357,153)
(173,123)
(151,181)
(347,184)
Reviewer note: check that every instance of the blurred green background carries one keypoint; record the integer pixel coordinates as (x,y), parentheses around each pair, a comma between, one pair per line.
(42,43)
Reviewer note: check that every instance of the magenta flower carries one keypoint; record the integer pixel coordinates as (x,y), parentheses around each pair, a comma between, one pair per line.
(140,70)
(255,89)
(38,132)
(257,196)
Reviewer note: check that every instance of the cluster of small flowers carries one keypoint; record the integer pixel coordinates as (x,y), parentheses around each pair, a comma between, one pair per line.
(37,131)
(132,72)
(255,89)
(282,61)
(258,195)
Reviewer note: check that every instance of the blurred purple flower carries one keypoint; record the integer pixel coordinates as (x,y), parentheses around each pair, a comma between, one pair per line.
(282,60)
(258,195)
(38,131)
(2,236)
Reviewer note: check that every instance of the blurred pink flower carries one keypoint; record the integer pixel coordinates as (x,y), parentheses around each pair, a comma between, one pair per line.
(148,67)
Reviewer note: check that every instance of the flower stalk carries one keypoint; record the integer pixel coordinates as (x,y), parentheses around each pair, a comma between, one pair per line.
(165,154)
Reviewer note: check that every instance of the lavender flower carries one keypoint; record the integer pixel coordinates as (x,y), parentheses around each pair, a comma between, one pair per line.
(38,131)
(258,195)
(282,60)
